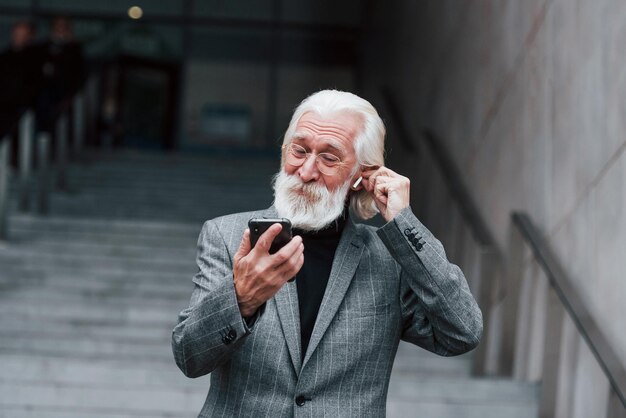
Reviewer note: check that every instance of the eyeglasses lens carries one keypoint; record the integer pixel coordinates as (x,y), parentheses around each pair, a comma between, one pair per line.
(326,163)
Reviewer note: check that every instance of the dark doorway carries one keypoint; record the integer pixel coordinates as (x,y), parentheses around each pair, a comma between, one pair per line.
(148,90)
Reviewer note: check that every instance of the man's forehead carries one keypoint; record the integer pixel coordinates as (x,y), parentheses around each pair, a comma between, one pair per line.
(329,142)
(342,125)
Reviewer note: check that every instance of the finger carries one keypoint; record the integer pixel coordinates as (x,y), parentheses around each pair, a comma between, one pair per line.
(382,179)
(297,267)
(367,185)
(385,171)
(381,187)
(380,192)
(368,173)
(244,246)
(288,251)
(371,184)
(291,266)
(265,240)
(369,179)
(382,172)
(373,179)
(369,170)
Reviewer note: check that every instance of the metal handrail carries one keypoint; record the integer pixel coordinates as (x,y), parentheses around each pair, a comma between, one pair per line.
(573,302)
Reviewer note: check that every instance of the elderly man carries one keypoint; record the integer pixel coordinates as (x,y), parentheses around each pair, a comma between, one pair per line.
(324,343)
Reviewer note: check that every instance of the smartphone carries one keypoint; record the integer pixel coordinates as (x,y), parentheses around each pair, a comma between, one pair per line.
(259,225)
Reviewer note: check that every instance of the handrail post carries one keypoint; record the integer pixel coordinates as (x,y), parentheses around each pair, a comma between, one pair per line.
(487,278)
(530,287)
(61,151)
(551,355)
(91,110)
(510,312)
(4,187)
(615,407)
(79,124)
(25,148)
(43,162)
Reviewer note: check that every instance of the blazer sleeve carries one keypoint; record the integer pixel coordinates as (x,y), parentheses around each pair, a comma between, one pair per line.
(438,311)
(211,329)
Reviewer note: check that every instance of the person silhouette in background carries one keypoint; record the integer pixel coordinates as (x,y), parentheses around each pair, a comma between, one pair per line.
(62,71)
(20,66)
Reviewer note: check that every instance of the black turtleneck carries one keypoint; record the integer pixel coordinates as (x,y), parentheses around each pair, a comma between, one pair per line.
(311,280)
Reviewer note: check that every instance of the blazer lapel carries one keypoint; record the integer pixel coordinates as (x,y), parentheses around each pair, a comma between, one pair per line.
(346,260)
(289,314)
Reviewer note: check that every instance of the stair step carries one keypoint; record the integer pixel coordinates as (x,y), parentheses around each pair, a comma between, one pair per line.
(412,361)
(119,294)
(100,373)
(87,262)
(144,313)
(149,401)
(91,239)
(87,346)
(75,329)
(458,390)
(122,227)
(97,249)
(14,274)
(90,286)
(444,409)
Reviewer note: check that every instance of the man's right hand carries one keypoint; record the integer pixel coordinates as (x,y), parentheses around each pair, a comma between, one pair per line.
(258,275)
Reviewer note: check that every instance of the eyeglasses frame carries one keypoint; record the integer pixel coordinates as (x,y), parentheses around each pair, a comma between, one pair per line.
(287,147)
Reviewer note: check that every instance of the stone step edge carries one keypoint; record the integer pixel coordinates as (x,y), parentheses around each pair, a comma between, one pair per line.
(59,220)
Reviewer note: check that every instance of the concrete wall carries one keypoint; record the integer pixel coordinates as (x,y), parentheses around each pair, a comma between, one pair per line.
(529,97)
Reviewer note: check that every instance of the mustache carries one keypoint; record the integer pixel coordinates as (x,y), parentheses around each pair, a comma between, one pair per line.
(310,191)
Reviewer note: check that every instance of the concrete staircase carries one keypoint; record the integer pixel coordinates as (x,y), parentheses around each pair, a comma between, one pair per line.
(90,294)
(86,311)
(426,385)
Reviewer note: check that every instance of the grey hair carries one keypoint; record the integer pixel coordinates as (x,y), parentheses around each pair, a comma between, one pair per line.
(369,145)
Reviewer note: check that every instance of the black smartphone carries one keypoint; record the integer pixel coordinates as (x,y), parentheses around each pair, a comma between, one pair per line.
(259,225)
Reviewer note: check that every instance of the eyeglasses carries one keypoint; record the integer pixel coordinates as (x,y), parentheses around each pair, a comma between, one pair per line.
(327,163)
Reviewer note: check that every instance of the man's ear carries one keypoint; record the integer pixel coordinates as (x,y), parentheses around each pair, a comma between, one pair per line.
(356,183)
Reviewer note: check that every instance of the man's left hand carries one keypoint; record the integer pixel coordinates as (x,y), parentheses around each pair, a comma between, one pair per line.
(391,190)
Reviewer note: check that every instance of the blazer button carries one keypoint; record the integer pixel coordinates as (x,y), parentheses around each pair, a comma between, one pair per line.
(230,337)
(300,400)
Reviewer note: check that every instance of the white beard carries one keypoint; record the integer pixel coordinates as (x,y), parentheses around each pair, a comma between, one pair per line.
(309,206)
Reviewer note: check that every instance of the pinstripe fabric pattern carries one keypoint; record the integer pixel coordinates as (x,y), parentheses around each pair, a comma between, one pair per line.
(381,289)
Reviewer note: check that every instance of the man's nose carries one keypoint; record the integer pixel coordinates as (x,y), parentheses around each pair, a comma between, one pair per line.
(308,171)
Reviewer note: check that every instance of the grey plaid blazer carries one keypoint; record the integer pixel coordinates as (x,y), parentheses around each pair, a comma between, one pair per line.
(386,284)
